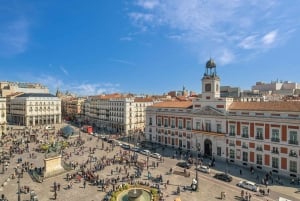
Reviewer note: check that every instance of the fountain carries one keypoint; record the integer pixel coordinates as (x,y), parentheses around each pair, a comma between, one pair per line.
(136,194)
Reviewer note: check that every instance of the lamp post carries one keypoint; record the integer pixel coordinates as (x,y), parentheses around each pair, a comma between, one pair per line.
(198,146)
(18,171)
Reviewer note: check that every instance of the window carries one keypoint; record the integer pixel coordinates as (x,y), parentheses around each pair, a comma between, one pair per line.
(150,121)
(172,123)
(293,153)
(258,159)
(259,134)
(275,162)
(231,143)
(207,126)
(259,148)
(180,123)
(219,150)
(150,130)
(188,125)
(245,131)
(231,154)
(293,166)
(166,122)
(275,150)
(275,135)
(219,128)
(245,156)
(245,146)
(293,138)
(232,130)
(158,121)
(197,125)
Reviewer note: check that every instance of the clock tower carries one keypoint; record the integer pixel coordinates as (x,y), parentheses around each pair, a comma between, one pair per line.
(210,81)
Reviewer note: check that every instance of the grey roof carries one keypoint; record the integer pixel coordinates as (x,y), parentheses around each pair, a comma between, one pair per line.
(36,95)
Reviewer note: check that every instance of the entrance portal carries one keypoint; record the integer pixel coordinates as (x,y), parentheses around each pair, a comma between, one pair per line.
(207,148)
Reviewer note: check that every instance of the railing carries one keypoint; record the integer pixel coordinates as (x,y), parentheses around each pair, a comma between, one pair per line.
(231,144)
(232,134)
(293,142)
(259,137)
(245,146)
(293,154)
(275,152)
(275,139)
(259,149)
(245,135)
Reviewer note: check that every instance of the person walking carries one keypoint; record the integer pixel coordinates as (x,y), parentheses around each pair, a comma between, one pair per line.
(84,184)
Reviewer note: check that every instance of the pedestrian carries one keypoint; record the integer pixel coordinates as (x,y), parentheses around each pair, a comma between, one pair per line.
(55,195)
(268,191)
(84,184)
(58,186)
(250,197)
(240,171)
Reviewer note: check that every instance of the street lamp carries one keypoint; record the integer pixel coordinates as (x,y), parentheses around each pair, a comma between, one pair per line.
(18,171)
(198,146)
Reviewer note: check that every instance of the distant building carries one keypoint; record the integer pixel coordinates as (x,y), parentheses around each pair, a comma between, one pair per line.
(72,108)
(276,87)
(34,109)
(3,121)
(231,92)
(7,88)
(116,113)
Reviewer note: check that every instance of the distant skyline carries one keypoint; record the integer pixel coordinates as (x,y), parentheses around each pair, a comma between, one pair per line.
(147,46)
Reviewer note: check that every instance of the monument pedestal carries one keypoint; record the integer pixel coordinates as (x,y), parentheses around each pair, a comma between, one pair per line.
(53,166)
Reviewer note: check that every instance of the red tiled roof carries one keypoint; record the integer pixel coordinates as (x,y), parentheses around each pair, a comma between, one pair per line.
(174,104)
(143,100)
(280,106)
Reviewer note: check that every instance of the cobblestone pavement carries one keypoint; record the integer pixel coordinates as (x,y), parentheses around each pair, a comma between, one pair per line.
(209,188)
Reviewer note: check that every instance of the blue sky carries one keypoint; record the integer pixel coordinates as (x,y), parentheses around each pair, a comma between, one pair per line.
(147,46)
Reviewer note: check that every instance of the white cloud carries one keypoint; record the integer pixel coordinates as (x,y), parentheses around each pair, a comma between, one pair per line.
(14,37)
(226,57)
(269,38)
(126,38)
(235,25)
(148,4)
(64,70)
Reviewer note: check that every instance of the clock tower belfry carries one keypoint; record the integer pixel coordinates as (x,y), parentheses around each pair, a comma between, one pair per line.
(210,81)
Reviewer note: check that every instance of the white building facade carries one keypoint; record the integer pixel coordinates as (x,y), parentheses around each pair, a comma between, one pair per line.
(35,109)
(262,135)
(116,113)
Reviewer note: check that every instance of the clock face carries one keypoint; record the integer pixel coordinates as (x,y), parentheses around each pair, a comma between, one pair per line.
(207,87)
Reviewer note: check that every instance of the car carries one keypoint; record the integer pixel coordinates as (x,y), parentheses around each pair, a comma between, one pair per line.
(136,149)
(117,143)
(248,185)
(146,152)
(184,164)
(223,177)
(156,155)
(125,146)
(203,168)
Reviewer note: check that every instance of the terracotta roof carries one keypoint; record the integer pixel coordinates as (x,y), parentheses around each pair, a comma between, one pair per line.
(279,106)
(143,100)
(174,104)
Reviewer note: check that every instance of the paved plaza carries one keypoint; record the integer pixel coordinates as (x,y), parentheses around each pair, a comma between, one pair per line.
(91,156)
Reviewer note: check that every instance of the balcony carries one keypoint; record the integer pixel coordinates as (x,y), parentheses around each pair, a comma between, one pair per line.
(231,134)
(232,144)
(245,146)
(275,139)
(259,137)
(180,127)
(172,126)
(245,135)
(295,142)
(188,128)
(158,124)
(259,149)
(293,154)
(165,125)
(275,152)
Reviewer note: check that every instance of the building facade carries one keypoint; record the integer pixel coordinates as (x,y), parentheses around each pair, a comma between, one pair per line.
(35,109)
(3,122)
(7,88)
(116,113)
(263,135)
